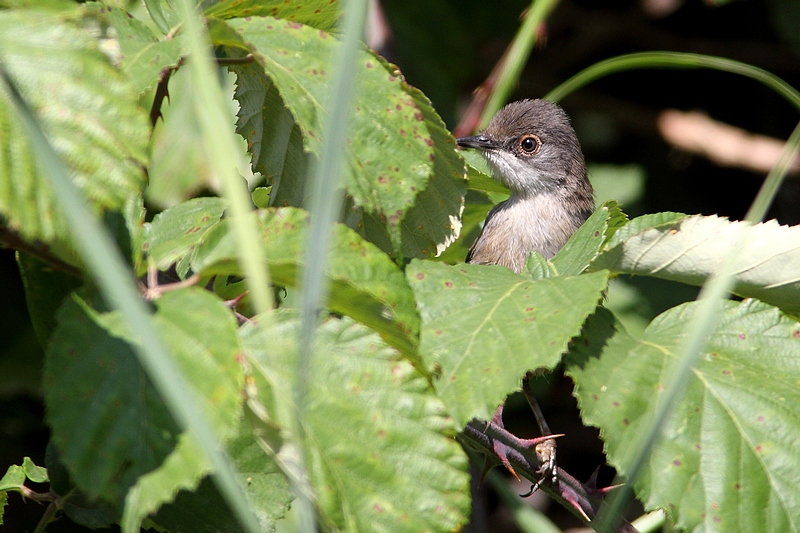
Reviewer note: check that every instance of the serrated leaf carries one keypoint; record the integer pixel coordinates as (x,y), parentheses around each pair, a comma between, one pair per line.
(45,290)
(477,206)
(389,154)
(143,55)
(689,249)
(203,509)
(380,452)
(484,327)
(320,14)
(88,110)
(364,282)
(434,221)
(100,403)
(273,138)
(178,170)
(727,457)
(182,469)
(178,231)
(584,245)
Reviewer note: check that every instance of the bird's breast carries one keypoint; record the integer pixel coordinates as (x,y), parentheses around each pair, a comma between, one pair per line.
(520,226)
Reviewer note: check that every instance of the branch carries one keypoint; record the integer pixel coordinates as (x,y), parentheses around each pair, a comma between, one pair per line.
(12,239)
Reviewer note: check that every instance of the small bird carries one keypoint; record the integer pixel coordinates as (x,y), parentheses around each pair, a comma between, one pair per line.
(532,149)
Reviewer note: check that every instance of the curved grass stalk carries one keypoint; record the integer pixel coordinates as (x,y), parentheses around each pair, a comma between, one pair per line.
(672,60)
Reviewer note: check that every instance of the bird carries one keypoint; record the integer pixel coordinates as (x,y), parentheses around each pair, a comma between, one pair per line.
(532,149)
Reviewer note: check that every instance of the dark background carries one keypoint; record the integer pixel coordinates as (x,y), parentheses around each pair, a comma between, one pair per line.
(447,48)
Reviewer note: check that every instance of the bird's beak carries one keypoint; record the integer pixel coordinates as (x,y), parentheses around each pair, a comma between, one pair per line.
(481,142)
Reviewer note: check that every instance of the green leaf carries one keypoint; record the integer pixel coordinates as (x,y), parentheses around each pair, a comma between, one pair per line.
(183,469)
(273,138)
(585,244)
(689,249)
(727,457)
(110,425)
(89,111)
(623,183)
(203,509)
(100,405)
(400,469)
(364,282)
(163,14)
(176,232)
(484,327)
(144,57)
(45,290)
(178,170)
(37,474)
(13,479)
(397,144)
(478,173)
(477,206)
(320,14)
(434,221)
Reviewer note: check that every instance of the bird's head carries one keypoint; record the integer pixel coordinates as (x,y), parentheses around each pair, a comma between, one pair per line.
(531,148)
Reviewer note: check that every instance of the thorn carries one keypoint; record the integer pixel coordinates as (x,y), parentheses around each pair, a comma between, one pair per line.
(591,484)
(606,490)
(501,451)
(571,499)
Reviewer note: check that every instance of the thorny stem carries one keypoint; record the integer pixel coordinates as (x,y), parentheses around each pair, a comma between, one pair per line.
(582,499)
(153,290)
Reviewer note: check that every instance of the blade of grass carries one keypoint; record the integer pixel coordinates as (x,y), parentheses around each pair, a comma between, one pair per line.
(516,57)
(710,302)
(324,206)
(325,196)
(220,144)
(672,60)
(116,282)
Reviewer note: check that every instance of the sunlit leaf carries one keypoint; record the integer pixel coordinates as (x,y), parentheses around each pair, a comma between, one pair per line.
(689,249)
(90,113)
(380,449)
(320,14)
(364,283)
(485,326)
(727,457)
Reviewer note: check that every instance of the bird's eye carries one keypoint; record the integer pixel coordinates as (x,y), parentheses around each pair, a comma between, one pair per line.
(529,144)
